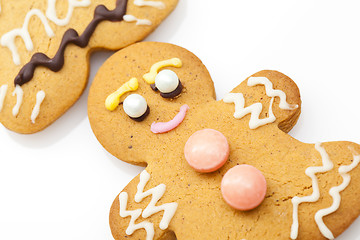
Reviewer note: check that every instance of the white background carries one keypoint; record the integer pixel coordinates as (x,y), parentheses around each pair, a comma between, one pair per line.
(60,183)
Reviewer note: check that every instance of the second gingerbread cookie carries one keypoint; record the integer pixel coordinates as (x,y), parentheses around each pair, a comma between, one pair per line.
(45,49)
(216,169)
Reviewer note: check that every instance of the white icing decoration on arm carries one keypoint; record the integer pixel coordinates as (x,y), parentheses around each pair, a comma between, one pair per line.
(335,194)
(40,96)
(131,18)
(155,4)
(255,110)
(3,90)
(8,39)
(253,81)
(135,214)
(51,11)
(156,192)
(19,98)
(327,165)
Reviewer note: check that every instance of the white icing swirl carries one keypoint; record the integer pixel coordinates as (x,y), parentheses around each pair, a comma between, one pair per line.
(327,165)
(131,18)
(3,90)
(40,96)
(19,98)
(155,4)
(335,194)
(255,110)
(253,81)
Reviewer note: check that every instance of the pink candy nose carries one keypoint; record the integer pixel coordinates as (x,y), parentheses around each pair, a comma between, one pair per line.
(206,150)
(243,187)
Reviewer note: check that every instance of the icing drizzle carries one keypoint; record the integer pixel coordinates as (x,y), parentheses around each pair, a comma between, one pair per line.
(255,110)
(156,192)
(155,4)
(271,92)
(335,194)
(8,39)
(51,11)
(40,96)
(71,36)
(135,214)
(3,90)
(131,18)
(327,165)
(19,98)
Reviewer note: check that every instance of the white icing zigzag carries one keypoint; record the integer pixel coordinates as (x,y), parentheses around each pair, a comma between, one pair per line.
(19,98)
(135,214)
(51,10)
(335,194)
(131,18)
(327,165)
(155,4)
(253,81)
(40,96)
(255,110)
(156,192)
(8,39)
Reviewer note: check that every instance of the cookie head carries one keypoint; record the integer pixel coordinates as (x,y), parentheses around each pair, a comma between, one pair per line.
(162,82)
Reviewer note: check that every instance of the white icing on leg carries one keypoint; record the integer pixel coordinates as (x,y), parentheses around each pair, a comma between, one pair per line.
(255,110)
(155,4)
(40,96)
(156,192)
(131,18)
(335,194)
(253,81)
(135,214)
(19,98)
(3,91)
(8,39)
(327,165)
(51,10)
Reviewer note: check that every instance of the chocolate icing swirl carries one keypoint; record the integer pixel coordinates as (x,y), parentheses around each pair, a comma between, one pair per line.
(71,36)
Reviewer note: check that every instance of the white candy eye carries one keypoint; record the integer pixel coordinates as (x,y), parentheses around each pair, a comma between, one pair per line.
(135,105)
(166,81)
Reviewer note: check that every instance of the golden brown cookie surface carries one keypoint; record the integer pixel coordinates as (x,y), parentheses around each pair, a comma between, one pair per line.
(292,169)
(41,27)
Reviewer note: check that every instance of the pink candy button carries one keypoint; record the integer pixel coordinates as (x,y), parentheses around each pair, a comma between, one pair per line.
(206,150)
(243,187)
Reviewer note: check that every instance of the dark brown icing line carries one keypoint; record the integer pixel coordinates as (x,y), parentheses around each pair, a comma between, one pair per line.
(71,36)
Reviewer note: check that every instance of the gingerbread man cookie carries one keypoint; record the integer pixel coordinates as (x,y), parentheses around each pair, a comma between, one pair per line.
(45,49)
(216,169)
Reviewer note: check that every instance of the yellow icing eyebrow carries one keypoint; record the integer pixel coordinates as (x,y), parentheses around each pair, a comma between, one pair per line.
(113,100)
(150,76)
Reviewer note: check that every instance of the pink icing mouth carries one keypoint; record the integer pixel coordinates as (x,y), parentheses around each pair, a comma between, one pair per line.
(163,127)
